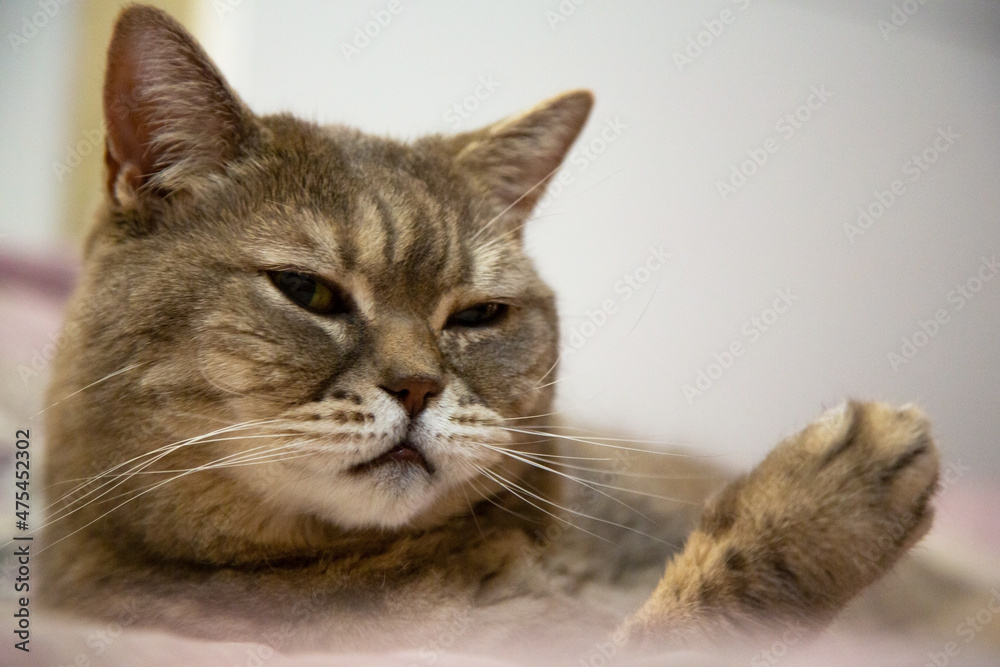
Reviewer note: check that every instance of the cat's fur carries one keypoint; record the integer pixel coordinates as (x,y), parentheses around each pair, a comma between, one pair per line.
(183,333)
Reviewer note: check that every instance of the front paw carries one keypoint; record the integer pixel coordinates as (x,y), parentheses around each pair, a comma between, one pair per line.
(830,509)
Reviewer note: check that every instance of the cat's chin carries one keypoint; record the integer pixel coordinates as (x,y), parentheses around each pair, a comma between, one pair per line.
(396,460)
(392,490)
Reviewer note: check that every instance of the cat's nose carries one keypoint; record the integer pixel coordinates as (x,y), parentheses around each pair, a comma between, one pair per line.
(413,392)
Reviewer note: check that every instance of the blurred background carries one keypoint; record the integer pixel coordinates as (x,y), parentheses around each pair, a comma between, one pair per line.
(775,205)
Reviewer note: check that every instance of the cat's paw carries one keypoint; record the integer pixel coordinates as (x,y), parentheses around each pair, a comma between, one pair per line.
(833,507)
(826,513)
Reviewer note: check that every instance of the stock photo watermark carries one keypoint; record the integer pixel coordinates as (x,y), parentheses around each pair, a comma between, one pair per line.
(92,142)
(445,639)
(365,34)
(624,289)
(956,299)
(779,648)
(562,12)
(970,628)
(900,16)
(912,170)
(462,111)
(786,127)
(751,331)
(224,7)
(603,653)
(35,23)
(101,639)
(41,357)
(712,30)
(581,159)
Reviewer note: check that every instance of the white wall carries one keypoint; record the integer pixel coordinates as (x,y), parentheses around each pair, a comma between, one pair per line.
(36,48)
(683,130)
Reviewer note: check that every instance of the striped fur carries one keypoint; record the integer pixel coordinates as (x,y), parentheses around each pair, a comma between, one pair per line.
(225,436)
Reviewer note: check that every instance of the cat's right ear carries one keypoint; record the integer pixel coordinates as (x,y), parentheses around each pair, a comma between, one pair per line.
(170,116)
(514,159)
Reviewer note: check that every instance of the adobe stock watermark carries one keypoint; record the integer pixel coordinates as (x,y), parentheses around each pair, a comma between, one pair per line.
(101,639)
(581,159)
(900,16)
(603,653)
(780,646)
(712,30)
(562,12)
(956,299)
(32,25)
(92,140)
(460,112)
(967,631)
(589,496)
(270,644)
(364,35)
(224,7)
(42,357)
(446,637)
(751,331)
(913,169)
(786,127)
(624,289)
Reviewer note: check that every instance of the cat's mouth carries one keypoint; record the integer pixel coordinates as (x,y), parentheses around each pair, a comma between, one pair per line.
(403,454)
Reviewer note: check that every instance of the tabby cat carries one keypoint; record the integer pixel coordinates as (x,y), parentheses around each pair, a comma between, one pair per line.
(310,404)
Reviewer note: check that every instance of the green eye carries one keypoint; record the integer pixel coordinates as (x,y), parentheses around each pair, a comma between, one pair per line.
(479,315)
(307,292)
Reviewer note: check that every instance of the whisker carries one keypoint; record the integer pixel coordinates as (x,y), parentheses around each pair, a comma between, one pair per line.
(486,495)
(96,382)
(472,512)
(587,483)
(562,456)
(274,456)
(551,368)
(67,509)
(510,487)
(513,204)
(165,449)
(142,493)
(598,443)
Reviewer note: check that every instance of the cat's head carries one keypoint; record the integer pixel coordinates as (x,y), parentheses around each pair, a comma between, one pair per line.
(361,309)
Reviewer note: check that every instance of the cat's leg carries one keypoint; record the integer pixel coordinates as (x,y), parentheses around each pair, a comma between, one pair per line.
(785,547)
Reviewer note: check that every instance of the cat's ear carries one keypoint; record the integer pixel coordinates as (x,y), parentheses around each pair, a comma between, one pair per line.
(515,157)
(170,116)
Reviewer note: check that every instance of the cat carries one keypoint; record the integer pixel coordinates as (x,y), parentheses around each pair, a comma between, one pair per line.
(310,404)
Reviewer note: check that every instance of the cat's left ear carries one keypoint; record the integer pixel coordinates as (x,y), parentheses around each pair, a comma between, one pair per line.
(171,118)
(515,157)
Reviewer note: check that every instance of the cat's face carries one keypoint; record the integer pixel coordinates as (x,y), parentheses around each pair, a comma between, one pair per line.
(371,313)
(361,309)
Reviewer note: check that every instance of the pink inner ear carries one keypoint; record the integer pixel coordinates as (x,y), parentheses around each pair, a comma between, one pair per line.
(170,115)
(128,143)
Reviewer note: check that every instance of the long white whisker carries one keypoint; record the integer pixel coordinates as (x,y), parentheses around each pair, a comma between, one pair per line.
(247,457)
(587,483)
(142,493)
(511,486)
(165,449)
(486,495)
(598,443)
(96,382)
(513,204)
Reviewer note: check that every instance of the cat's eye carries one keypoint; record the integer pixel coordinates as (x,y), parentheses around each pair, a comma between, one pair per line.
(481,314)
(308,292)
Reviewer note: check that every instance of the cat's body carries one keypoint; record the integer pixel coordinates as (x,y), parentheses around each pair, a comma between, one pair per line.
(315,369)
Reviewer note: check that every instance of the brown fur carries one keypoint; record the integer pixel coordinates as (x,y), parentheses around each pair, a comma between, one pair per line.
(182,332)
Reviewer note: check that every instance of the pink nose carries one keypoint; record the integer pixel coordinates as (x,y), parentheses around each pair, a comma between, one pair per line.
(413,392)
